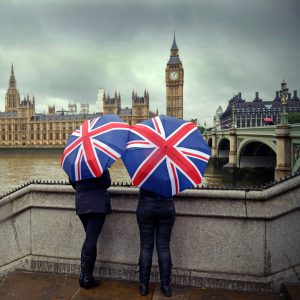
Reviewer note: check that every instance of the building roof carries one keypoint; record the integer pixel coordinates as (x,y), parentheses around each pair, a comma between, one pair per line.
(37,118)
(8,114)
(126,111)
(174,45)
(174,60)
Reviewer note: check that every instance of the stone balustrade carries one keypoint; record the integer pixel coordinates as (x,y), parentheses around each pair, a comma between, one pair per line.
(235,239)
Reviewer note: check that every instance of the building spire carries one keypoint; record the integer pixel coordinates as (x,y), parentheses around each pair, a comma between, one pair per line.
(174,45)
(12,79)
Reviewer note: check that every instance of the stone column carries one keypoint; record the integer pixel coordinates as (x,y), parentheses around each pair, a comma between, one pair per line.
(283,155)
(214,143)
(233,148)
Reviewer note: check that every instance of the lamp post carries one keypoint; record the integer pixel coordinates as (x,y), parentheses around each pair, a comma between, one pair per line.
(283,96)
(233,117)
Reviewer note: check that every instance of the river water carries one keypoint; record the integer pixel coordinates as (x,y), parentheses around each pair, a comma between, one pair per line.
(20,166)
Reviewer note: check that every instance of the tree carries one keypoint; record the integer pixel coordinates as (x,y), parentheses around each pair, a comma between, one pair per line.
(293,118)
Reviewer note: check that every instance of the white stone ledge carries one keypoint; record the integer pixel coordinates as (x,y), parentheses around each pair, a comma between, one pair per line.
(268,204)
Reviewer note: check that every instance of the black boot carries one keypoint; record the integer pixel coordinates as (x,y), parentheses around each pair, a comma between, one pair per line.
(165,269)
(86,279)
(145,271)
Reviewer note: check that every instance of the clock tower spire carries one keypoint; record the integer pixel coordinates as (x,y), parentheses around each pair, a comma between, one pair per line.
(174,83)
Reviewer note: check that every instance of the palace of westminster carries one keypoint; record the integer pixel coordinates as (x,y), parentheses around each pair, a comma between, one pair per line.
(20,125)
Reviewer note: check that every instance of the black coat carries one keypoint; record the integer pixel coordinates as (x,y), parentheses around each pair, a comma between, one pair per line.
(92,195)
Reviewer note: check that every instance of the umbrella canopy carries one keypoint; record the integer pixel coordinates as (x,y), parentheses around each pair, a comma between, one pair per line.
(268,120)
(94,147)
(166,155)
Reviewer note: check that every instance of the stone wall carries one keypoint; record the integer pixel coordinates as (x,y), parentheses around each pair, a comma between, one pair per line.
(236,239)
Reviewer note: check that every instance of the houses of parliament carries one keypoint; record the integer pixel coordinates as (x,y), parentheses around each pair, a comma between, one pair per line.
(21,125)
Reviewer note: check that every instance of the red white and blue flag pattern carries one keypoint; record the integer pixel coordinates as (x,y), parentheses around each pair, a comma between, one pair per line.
(166,155)
(94,147)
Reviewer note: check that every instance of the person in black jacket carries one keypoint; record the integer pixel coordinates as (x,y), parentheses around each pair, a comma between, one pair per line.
(155,217)
(92,202)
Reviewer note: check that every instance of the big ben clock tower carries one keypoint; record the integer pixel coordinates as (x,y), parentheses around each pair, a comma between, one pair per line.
(174,83)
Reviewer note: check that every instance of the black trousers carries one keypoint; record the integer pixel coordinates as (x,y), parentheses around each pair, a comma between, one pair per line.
(155,218)
(92,223)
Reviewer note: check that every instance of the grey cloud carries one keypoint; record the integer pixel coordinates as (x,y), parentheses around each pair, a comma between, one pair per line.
(68,49)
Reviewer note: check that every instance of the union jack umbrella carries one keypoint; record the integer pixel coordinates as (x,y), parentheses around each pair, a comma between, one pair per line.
(94,147)
(166,155)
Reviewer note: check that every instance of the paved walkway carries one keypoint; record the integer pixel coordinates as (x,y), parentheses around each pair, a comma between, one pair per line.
(22,285)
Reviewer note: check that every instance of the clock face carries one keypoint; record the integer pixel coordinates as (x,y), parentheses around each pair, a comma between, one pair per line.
(174,75)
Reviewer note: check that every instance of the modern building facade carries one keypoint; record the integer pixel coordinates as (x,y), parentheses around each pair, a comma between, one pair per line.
(253,113)
(174,83)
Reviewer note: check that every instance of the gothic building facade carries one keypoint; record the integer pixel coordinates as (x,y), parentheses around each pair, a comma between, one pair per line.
(21,125)
(253,113)
(174,83)
(138,112)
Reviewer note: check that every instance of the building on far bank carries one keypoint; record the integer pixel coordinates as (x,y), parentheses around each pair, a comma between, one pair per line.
(138,112)
(253,113)
(20,125)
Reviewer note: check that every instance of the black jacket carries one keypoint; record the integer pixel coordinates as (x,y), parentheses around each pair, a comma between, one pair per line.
(92,195)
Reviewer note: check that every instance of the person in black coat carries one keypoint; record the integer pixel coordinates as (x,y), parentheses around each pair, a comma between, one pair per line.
(155,217)
(92,202)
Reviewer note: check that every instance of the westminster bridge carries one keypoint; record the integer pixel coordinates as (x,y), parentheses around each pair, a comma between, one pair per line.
(274,146)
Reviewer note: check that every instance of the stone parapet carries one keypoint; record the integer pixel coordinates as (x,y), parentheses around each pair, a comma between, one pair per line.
(236,239)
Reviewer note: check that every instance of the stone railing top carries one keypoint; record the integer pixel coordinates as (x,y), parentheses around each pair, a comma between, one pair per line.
(263,192)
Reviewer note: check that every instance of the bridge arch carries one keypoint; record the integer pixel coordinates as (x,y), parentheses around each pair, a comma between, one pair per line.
(223,147)
(256,153)
(209,142)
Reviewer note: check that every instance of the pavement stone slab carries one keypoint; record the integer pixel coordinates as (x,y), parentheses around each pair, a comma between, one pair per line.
(113,289)
(179,293)
(218,294)
(37,286)
(25,285)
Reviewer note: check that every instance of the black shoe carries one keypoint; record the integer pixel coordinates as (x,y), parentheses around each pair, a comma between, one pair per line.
(167,290)
(143,289)
(89,283)
(86,279)
(165,270)
(144,272)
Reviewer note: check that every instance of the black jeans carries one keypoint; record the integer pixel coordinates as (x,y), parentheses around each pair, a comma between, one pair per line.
(92,223)
(155,218)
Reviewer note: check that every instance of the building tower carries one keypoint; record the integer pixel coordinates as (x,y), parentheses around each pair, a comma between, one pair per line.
(12,97)
(112,105)
(100,98)
(140,107)
(174,83)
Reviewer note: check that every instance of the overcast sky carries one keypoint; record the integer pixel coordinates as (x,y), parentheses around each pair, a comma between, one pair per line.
(65,50)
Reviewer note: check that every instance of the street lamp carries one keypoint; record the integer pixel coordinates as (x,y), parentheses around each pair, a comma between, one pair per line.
(233,115)
(283,96)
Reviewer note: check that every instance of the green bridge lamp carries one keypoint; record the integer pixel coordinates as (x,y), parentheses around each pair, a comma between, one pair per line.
(283,96)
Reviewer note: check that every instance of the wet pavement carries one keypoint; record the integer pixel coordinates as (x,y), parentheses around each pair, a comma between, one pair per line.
(45,286)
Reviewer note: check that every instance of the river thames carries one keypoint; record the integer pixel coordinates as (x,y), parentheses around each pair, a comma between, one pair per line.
(18,166)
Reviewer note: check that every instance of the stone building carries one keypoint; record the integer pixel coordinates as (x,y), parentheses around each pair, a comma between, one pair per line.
(21,126)
(253,113)
(138,112)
